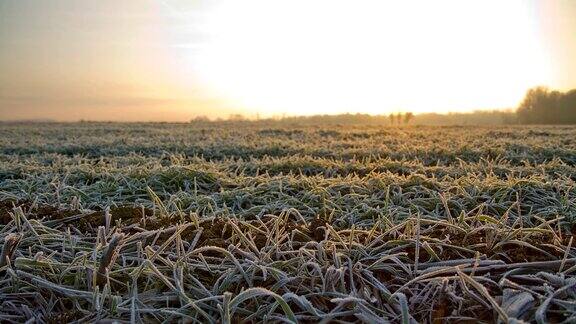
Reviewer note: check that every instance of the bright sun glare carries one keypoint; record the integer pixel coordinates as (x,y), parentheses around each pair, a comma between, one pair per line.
(316,57)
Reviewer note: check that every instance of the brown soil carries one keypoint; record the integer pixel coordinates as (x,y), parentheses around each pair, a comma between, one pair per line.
(40,211)
(317,228)
(88,223)
(5,208)
(126,214)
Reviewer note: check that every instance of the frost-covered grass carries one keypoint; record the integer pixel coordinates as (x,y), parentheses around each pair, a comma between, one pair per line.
(227,222)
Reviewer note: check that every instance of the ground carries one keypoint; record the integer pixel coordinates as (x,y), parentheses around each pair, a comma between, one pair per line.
(228,222)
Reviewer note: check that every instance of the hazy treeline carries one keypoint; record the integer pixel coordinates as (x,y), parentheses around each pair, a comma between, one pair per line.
(474,118)
(539,106)
(544,106)
(482,117)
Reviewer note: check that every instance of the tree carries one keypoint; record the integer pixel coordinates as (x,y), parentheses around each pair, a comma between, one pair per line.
(408,117)
(391,117)
(567,107)
(200,119)
(543,106)
(236,117)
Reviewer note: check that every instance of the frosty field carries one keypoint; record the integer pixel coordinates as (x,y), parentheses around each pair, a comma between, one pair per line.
(228,222)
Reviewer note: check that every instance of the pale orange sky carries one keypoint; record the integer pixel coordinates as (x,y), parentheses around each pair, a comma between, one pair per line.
(176,59)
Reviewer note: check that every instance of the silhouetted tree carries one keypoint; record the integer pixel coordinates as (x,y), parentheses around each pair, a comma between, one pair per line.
(542,106)
(398,118)
(408,117)
(391,117)
(236,117)
(567,107)
(200,119)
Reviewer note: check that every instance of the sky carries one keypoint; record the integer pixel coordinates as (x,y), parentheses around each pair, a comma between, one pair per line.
(172,60)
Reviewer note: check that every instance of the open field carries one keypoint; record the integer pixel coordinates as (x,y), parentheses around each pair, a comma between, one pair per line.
(224,222)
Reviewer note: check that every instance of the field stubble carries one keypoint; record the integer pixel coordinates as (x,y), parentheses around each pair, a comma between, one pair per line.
(251,222)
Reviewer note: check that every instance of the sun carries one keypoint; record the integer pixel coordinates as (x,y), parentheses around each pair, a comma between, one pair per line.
(327,57)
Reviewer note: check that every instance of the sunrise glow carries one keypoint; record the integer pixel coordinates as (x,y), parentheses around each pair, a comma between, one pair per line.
(173,60)
(320,57)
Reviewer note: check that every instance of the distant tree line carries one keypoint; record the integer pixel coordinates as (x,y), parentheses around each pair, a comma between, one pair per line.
(544,106)
(399,118)
(539,106)
(481,117)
